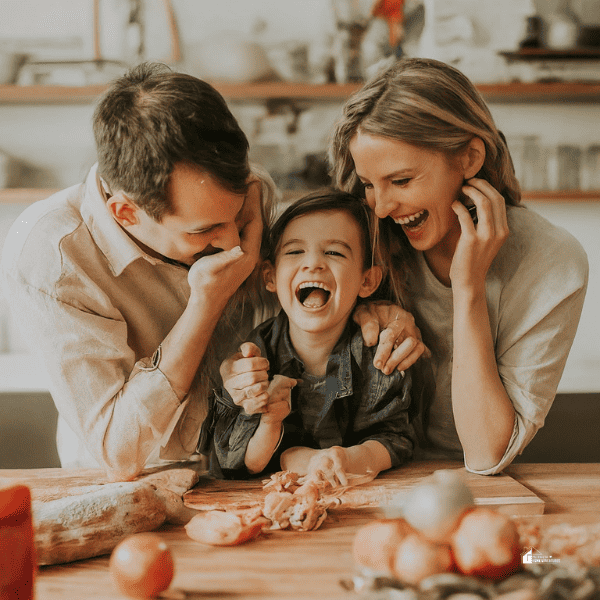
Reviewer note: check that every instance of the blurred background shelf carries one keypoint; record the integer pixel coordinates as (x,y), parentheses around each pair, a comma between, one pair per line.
(30,195)
(497,92)
(533,54)
(24,195)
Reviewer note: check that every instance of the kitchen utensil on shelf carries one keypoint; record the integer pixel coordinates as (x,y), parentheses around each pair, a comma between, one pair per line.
(10,65)
(563,28)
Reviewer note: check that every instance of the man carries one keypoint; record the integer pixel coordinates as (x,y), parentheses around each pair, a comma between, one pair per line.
(119,283)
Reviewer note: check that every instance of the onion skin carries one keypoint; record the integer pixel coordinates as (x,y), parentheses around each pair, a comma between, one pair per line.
(486,544)
(375,544)
(218,528)
(142,565)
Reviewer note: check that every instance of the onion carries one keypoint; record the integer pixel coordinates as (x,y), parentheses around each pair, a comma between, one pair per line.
(417,558)
(486,544)
(142,565)
(435,505)
(375,544)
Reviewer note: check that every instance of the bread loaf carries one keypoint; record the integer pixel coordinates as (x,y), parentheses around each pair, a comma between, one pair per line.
(92,524)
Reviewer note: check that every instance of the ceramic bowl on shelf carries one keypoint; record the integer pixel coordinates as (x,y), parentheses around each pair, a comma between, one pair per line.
(229,57)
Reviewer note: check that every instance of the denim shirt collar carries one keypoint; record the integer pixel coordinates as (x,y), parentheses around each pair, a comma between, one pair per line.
(339,363)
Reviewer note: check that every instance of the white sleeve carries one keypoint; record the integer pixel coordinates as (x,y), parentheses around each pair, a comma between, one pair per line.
(538,316)
(119,407)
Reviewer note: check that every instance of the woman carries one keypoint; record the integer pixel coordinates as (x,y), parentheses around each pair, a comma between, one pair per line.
(498,296)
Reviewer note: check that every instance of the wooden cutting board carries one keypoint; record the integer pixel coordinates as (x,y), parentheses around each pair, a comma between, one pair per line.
(500,492)
(51,484)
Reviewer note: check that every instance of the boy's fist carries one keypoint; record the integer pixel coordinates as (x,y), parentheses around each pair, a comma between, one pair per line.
(245,377)
(279,399)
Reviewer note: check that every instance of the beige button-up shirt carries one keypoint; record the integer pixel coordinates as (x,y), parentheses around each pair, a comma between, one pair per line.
(96,308)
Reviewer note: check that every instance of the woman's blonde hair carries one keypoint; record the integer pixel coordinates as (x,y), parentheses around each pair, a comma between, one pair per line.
(429,104)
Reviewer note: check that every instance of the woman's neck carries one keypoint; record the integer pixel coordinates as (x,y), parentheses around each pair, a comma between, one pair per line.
(439,258)
(315,348)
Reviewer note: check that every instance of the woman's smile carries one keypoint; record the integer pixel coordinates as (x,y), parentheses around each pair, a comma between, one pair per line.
(414,186)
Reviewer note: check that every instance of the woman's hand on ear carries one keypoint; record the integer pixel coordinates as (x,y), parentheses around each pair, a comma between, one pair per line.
(478,244)
(399,338)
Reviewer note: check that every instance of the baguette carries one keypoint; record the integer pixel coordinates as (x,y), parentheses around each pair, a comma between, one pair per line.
(92,524)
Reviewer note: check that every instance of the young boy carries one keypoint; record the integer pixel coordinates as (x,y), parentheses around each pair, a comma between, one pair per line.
(344,416)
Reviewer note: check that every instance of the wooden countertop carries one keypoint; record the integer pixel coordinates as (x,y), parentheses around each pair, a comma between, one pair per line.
(284,565)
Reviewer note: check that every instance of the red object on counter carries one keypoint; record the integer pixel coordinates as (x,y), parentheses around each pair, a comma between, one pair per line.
(393,12)
(17,551)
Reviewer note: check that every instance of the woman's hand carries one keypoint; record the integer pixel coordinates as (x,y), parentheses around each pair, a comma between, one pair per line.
(400,342)
(245,376)
(478,244)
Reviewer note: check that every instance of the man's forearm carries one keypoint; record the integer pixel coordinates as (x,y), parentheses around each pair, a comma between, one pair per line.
(184,347)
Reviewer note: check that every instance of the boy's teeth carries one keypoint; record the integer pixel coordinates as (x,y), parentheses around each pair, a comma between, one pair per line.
(314,284)
(313,294)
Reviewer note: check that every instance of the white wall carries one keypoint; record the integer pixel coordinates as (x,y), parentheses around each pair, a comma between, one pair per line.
(578,125)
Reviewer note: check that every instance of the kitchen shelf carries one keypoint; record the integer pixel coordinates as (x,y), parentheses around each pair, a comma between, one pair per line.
(561,196)
(24,195)
(50,94)
(30,195)
(495,92)
(534,54)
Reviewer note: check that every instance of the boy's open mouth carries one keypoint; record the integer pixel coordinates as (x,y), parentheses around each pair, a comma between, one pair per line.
(313,294)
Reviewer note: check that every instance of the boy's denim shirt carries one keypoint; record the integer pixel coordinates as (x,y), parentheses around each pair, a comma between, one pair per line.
(353,403)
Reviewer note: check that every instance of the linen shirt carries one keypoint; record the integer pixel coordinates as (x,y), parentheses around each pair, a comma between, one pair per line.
(535,289)
(95,308)
(352,403)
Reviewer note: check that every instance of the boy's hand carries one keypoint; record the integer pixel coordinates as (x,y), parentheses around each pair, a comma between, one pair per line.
(280,399)
(329,464)
(245,377)
(400,342)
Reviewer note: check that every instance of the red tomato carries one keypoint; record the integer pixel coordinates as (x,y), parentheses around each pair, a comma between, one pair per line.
(142,565)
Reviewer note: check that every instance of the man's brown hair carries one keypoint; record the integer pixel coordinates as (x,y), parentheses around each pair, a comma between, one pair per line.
(152,118)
